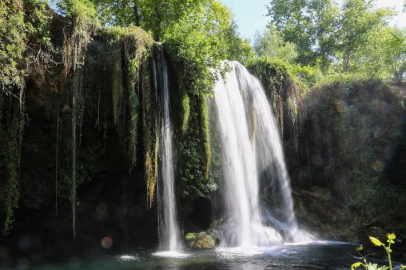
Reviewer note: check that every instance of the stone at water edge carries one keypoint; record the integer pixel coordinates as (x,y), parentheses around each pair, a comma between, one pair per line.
(200,241)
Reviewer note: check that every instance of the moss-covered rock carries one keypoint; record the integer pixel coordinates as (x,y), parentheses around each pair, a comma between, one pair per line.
(201,240)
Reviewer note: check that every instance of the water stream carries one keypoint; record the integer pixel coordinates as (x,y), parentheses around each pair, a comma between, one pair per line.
(167,214)
(251,145)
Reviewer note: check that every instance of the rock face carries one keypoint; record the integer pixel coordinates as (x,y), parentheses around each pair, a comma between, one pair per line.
(203,240)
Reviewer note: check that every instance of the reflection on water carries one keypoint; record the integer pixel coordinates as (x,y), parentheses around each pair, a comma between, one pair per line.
(315,255)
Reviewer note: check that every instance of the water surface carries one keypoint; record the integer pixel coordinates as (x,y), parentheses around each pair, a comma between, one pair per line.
(316,255)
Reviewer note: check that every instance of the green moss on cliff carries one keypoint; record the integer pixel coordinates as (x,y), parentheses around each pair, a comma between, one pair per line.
(205,134)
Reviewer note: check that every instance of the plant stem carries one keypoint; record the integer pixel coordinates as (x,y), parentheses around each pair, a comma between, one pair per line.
(389,259)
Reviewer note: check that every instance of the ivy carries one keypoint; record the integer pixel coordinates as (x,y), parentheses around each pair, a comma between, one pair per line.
(12,45)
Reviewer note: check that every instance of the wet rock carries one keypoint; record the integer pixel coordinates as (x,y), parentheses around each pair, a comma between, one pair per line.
(201,240)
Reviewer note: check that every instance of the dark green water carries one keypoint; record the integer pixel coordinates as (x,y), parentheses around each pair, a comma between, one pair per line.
(318,255)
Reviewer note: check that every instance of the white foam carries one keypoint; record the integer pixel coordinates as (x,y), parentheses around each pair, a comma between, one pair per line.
(127,258)
(171,254)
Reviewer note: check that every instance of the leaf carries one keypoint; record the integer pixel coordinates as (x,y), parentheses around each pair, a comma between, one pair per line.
(376,241)
(356,265)
(371,266)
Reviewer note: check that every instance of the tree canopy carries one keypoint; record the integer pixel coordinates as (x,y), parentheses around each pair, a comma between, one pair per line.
(353,37)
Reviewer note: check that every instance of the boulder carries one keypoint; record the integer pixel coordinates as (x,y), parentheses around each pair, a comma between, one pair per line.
(201,240)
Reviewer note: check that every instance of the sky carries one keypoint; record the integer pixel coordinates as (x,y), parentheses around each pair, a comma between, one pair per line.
(250,14)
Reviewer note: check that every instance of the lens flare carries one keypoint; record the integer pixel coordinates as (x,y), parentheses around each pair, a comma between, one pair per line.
(107,242)
(378,166)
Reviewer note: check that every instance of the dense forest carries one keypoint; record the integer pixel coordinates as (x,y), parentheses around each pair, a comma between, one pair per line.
(79,147)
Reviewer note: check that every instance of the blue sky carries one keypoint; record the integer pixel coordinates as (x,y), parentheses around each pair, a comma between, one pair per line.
(250,14)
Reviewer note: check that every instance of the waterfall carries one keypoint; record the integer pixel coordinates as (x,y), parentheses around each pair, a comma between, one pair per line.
(167,214)
(251,146)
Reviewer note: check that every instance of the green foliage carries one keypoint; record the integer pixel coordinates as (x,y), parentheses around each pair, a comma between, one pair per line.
(353,123)
(12,45)
(130,50)
(157,16)
(284,88)
(11,158)
(386,57)
(198,44)
(190,236)
(205,133)
(186,111)
(37,18)
(310,25)
(238,49)
(136,52)
(271,45)
(376,242)
(80,13)
(21,23)
(357,21)
(150,134)
(351,38)
(196,156)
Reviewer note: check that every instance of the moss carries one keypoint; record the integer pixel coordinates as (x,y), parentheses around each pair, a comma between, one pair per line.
(190,236)
(150,134)
(205,133)
(185,111)
(117,88)
(285,92)
(200,241)
(352,125)
(10,139)
(136,51)
(195,159)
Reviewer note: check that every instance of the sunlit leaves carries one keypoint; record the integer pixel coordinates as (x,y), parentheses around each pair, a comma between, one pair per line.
(270,44)
(12,45)
(355,265)
(375,241)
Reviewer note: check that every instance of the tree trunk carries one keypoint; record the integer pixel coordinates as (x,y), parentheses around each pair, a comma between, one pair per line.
(136,13)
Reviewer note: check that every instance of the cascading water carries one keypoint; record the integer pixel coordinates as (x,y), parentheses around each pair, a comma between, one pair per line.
(167,216)
(251,144)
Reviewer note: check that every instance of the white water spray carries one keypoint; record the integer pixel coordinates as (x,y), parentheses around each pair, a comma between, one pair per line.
(251,144)
(167,214)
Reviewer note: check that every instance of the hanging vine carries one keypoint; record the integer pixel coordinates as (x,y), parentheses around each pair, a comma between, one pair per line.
(151,139)
(82,21)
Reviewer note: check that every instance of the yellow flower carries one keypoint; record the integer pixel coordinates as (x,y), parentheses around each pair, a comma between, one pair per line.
(391,237)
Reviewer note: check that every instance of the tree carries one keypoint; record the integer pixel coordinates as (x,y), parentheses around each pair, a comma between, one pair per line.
(270,44)
(164,18)
(200,42)
(292,19)
(383,56)
(239,49)
(357,21)
(396,53)
(310,25)
(152,15)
